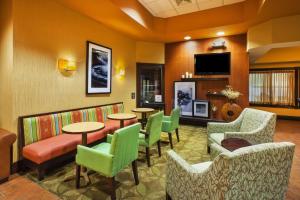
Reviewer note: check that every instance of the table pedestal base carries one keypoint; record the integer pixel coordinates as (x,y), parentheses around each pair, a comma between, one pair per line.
(84,173)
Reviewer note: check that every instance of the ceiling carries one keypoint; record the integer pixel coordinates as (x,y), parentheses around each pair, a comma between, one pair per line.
(170,8)
(133,19)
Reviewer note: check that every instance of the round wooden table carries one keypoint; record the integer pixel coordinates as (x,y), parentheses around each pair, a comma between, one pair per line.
(144,112)
(232,144)
(82,128)
(121,117)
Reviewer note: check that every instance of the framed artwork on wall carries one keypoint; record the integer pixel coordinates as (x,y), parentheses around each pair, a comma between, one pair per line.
(184,94)
(201,108)
(98,69)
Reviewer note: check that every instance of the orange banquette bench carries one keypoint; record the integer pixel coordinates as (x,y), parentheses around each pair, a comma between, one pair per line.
(42,143)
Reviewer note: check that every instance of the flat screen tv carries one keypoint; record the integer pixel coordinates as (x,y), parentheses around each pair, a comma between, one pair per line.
(212,63)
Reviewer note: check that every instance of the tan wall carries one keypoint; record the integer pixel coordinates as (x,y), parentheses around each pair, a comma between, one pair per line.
(45,31)
(279,30)
(6,63)
(150,52)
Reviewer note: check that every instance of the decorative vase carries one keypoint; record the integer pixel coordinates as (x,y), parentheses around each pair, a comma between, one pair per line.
(230,111)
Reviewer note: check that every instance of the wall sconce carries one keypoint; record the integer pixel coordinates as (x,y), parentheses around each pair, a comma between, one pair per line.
(66,67)
(219,44)
(120,73)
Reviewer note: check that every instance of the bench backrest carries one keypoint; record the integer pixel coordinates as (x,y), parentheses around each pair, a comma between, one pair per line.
(34,128)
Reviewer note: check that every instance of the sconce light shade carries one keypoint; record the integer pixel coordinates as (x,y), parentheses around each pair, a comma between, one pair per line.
(122,72)
(66,67)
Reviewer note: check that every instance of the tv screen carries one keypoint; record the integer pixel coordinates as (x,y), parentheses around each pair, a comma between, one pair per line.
(212,63)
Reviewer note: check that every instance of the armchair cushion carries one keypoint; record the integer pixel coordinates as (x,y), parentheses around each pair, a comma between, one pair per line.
(166,126)
(166,118)
(103,147)
(142,140)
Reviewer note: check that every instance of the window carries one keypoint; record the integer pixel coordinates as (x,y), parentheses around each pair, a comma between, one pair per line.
(273,87)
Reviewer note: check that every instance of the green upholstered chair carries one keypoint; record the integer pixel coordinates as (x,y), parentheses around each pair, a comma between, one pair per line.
(151,134)
(109,158)
(171,124)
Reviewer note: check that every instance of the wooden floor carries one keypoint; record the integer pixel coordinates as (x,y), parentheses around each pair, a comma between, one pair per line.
(290,131)
(21,188)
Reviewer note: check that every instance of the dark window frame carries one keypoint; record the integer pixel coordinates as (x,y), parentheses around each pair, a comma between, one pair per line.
(296,92)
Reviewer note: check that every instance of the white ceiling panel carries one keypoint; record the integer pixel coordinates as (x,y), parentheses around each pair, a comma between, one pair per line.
(208,4)
(170,8)
(227,2)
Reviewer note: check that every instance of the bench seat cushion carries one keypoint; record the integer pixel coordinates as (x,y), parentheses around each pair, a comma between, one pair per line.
(52,147)
(49,148)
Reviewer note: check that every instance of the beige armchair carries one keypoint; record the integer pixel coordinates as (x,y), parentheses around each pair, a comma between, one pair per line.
(256,172)
(255,126)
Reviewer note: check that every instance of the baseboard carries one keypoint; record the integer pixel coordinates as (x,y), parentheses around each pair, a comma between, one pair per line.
(296,118)
(15,167)
(3,180)
(196,121)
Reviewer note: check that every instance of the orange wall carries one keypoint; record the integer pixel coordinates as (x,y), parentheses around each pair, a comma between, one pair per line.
(180,58)
(150,52)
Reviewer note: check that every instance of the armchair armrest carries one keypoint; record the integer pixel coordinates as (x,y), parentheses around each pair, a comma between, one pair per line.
(254,137)
(216,150)
(181,177)
(109,138)
(216,127)
(94,159)
(143,131)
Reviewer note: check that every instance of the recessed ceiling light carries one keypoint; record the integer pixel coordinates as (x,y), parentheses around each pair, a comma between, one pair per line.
(220,33)
(187,37)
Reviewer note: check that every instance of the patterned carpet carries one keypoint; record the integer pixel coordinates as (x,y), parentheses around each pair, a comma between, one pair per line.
(192,147)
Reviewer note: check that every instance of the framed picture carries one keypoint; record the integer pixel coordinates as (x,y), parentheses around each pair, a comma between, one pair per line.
(184,94)
(201,108)
(98,69)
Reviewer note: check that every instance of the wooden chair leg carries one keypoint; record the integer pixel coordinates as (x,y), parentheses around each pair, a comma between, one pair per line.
(135,172)
(41,173)
(170,140)
(78,170)
(177,134)
(112,184)
(148,156)
(158,148)
(168,196)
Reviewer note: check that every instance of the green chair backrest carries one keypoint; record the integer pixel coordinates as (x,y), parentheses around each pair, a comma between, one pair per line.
(153,127)
(124,147)
(175,114)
